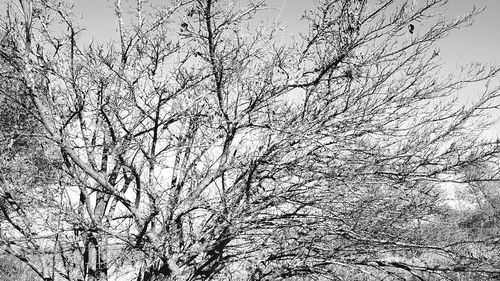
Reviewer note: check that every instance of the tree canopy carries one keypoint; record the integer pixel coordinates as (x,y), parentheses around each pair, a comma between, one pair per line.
(199,145)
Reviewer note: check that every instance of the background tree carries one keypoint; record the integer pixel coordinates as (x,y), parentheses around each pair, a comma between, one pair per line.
(26,170)
(200,146)
(480,197)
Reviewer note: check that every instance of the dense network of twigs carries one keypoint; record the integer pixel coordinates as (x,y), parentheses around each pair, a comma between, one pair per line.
(199,144)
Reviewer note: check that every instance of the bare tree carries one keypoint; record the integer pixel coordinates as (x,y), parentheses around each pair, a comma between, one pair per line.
(201,145)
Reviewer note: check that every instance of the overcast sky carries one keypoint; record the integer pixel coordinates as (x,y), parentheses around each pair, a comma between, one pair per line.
(481,42)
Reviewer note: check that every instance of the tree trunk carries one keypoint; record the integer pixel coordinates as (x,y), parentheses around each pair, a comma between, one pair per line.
(95,259)
(102,259)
